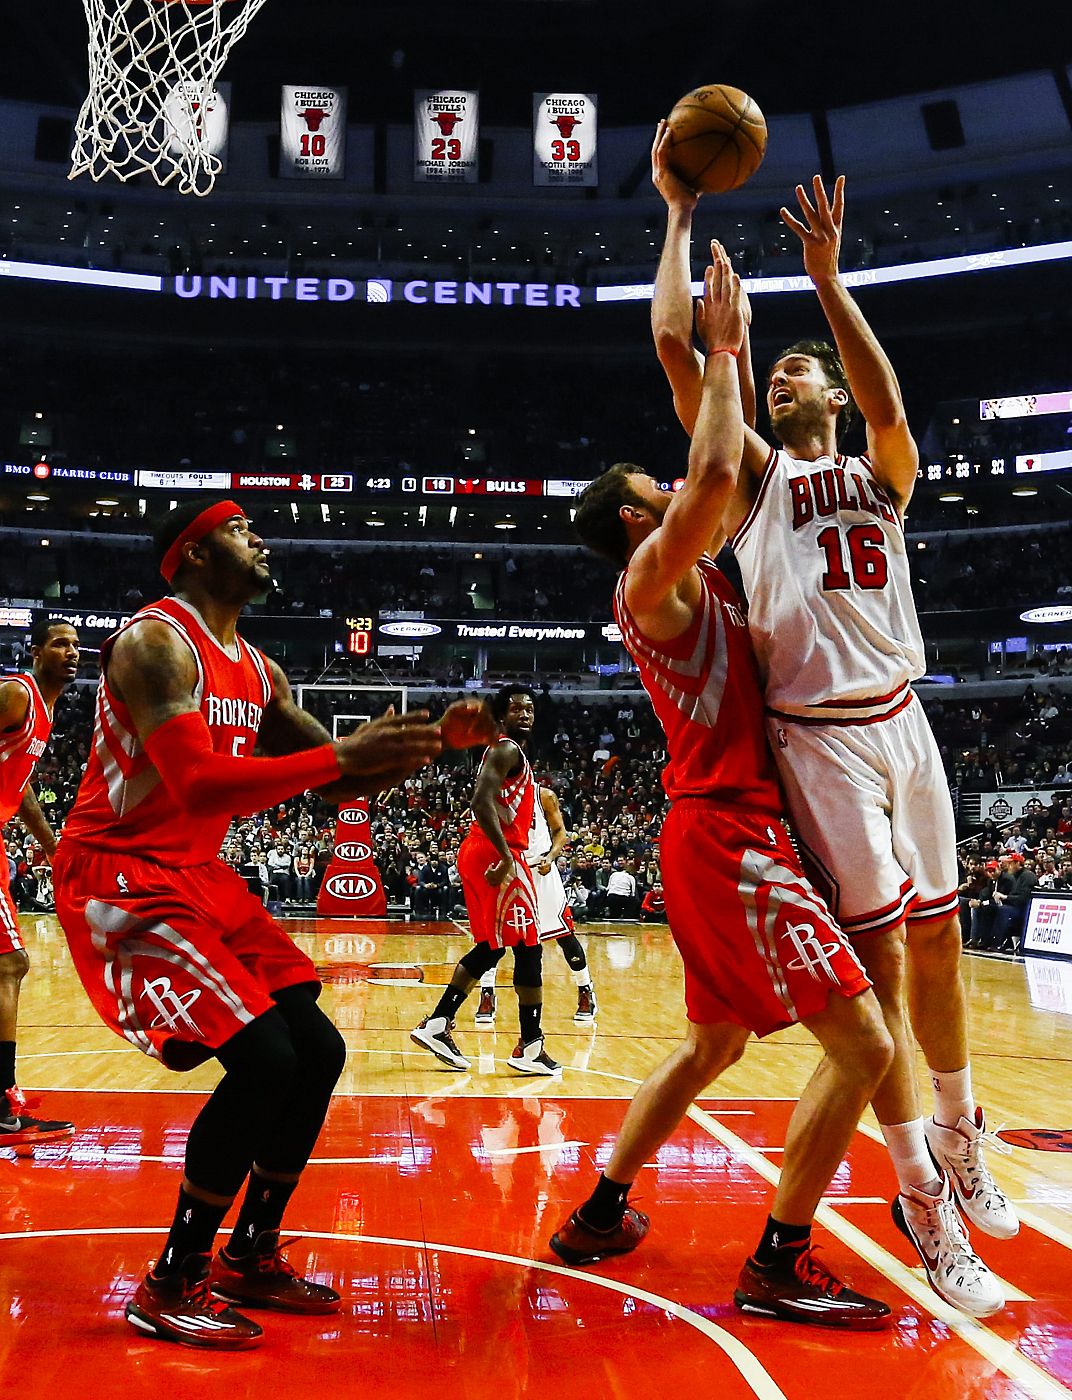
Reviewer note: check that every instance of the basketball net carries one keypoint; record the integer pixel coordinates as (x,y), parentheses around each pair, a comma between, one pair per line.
(153,66)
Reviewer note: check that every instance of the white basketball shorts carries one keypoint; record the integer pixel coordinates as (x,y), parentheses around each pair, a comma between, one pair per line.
(871,808)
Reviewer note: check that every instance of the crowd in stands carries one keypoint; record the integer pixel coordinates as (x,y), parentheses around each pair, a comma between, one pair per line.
(603,759)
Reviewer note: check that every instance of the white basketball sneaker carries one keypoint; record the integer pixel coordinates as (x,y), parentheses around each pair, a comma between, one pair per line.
(954,1270)
(959,1153)
(533,1059)
(434,1033)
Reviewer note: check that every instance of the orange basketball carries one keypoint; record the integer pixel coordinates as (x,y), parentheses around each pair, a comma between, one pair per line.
(719,138)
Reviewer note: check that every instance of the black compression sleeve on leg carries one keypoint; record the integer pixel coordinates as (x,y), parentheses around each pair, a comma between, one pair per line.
(261,1066)
(320,1050)
(573,952)
(528,966)
(480,958)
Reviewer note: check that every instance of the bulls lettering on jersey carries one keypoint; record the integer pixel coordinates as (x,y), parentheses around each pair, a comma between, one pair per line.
(21,748)
(825,566)
(122,805)
(705,691)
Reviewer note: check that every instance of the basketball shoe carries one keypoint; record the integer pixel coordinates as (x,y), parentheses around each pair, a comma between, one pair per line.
(586,1006)
(954,1270)
(265,1279)
(577,1243)
(180,1308)
(17,1126)
(533,1059)
(434,1033)
(485,1012)
(959,1153)
(802,1289)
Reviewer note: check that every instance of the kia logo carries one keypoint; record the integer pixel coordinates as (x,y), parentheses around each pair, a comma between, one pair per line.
(353,816)
(351,886)
(353,850)
(410,629)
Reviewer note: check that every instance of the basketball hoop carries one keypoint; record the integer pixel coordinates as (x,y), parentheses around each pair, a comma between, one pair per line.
(153,66)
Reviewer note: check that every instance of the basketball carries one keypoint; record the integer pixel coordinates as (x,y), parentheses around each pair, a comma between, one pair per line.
(719,138)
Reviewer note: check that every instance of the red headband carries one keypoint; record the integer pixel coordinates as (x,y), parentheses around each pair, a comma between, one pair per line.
(197,529)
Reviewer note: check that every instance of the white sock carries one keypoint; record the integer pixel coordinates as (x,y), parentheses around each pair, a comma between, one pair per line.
(583,978)
(953,1098)
(907,1147)
(488,978)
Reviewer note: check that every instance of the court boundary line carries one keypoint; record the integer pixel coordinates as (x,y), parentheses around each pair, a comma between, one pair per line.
(1005,1356)
(747,1364)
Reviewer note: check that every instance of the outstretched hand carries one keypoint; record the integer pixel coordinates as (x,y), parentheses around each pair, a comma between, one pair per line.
(466,723)
(671,186)
(391,745)
(720,319)
(820,234)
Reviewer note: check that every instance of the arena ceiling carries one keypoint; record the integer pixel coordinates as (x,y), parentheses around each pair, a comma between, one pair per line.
(638,56)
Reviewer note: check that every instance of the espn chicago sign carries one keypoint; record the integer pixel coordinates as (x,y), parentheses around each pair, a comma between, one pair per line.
(351,886)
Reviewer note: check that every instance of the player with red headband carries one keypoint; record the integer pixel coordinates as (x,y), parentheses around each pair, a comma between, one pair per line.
(173,950)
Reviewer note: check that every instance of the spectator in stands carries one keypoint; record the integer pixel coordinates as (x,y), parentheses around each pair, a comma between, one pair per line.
(1012,906)
(304,873)
(433,889)
(280,864)
(1015,843)
(621,893)
(255,873)
(1063,882)
(974,890)
(653,906)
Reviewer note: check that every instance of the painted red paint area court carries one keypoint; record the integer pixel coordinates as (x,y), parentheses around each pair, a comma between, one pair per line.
(432,1217)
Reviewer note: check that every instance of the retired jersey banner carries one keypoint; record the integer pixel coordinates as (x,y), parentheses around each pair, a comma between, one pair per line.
(313,133)
(564,139)
(446,129)
(205,122)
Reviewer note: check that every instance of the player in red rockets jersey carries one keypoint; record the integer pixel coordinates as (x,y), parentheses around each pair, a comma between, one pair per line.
(173,950)
(499,889)
(819,538)
(26,705)
(759,946)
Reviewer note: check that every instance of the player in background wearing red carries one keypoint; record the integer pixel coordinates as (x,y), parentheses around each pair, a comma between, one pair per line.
(819,538)
(548,838)
(500,895)
(26,706)
(175,953)
(759,946)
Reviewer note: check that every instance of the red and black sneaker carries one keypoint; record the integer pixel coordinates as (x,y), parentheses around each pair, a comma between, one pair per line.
(17,1126)
(180,1308)
(266,1279)
(804,1290)
(578,1243)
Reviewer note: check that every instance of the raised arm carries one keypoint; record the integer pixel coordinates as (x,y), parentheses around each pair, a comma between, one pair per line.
(153,672)
(671,303)
(874,386)
(667,556)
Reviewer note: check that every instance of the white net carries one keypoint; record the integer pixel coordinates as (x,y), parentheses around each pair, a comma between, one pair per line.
(153,107)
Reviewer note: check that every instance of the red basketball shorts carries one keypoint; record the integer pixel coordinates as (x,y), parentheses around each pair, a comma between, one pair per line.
(10,937)
(175,961)
(503,915)
(759,945)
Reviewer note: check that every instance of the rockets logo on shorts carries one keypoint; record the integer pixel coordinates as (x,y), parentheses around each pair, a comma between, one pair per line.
(812,953)
(172,1009)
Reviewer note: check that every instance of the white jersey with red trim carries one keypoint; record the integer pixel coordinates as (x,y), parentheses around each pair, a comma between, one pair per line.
(830,608)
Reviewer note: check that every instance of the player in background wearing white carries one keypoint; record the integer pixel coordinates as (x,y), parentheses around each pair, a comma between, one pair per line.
(547,840)
(820,541)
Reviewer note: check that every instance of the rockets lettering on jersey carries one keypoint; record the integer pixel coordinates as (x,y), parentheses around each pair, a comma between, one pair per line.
(825,566)
(705,691)
(20,750)
(122,804)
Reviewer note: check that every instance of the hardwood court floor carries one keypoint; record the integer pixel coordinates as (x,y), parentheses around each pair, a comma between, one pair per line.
(432,1195)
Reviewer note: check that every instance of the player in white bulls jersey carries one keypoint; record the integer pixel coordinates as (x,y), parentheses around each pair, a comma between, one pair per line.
(819,538)
(547,841)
